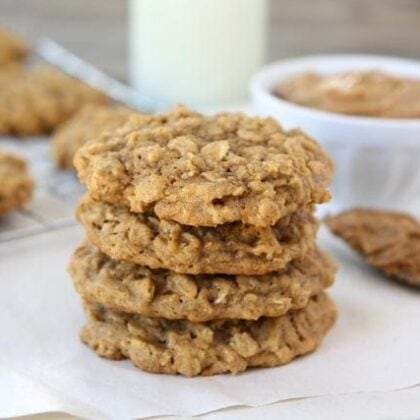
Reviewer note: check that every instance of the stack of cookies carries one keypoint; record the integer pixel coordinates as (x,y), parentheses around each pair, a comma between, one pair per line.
(201,255)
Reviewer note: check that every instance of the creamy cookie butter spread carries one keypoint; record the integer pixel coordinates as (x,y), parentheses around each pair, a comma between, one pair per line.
(361,92)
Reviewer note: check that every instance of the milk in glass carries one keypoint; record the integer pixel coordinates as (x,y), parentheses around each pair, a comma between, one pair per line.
(196,51)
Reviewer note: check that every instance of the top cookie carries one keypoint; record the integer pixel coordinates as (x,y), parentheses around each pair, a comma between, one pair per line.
(206,170)
(35,101)
(16,185)
(12,48)
(389,241)
(90,122)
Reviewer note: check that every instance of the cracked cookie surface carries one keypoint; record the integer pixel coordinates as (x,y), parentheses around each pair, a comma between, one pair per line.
(90,122)
(190,349)
(206,170)
(198,298)
(37,100)
(389,241)
(231,248)
(16,185)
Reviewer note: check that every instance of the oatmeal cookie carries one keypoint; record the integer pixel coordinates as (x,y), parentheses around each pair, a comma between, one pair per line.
(90,122)
(12,48)
(190,349)
(163,293)
(16,185)
(35,101)
(387,240)
(231,248)
(9,71)
(206,170)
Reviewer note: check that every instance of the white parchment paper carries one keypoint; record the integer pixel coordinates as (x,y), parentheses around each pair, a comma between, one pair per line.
(375,345)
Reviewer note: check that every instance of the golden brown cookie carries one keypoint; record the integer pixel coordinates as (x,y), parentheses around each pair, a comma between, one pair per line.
(163,293)
(38,100)
(90,122)
(162,346)
(16,185)
(387,240)
(206,170)
(8,71)
(231,248)
(12,48)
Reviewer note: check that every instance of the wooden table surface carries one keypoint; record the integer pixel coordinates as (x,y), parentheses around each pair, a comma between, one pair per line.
(97,29)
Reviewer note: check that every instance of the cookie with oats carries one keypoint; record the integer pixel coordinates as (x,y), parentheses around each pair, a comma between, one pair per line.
(389,241)
(166,294)
(16,185)
(37,100)
(232,248)
(191,349)
(206,170)
(10,71)
(12,48)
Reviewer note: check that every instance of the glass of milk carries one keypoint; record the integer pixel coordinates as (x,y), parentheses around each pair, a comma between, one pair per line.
(199,52)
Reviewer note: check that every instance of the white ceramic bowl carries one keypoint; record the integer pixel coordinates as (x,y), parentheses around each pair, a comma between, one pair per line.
(377,159)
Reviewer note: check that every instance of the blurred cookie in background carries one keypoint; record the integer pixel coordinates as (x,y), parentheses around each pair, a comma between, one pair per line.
(7,71)
(37,100)
(12,48)
(16,185)
(387,240)
(89,123)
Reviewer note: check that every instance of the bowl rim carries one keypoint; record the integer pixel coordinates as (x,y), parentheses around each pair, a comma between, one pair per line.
(259,89)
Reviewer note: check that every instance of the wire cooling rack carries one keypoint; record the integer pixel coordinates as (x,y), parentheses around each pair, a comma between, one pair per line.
(57,191)
(55,196)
